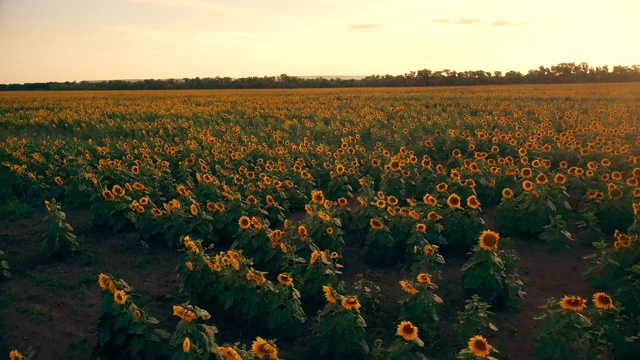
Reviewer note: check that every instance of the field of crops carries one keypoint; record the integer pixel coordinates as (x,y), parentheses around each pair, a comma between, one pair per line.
(441,223)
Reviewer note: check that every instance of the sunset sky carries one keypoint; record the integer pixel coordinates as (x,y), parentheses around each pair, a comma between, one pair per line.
(67,40)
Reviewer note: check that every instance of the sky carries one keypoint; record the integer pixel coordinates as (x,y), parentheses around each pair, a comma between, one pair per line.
(75,40)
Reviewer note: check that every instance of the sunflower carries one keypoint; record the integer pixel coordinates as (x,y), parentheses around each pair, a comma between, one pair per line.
(472,202)
(429,250)
(15,355)
(442,187)
(244,222)
(615,193)
(285,279)
(574,303)
(479,346)
(156,212)
(433,216)
(507,193)
(317,196)
(424,278)
(454,201)
(269,200)
(334,255)
(184,314)
(381,204)
(392,200)
(351,303)
(376,224)
(137,314)
(559,179)
(117,190)
(541,179)
(302,232)
(328,294)
(408,287)
(186,345)
(119,297)
(106,283)
(527,185)
(394,165)
(602,301)
(421,228)
(229,353)
(261,348)
(489,240)
(342,201)
(58,180)
(108,195)
(407,331)
(526,173)
(324,216)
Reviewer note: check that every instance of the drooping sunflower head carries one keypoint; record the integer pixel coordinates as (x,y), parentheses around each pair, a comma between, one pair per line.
(479,346)
(408,287)
(407,331)
(489,240)
(602,301)
(328,294)
(574,303)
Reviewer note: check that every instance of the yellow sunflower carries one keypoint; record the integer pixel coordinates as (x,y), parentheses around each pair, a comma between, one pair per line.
(407,331)
(186,345)
(408,287)
(351,303)
(472,202)
(244,222)
(424,278)
(489,240)
(376,224)
(602,301)
(328,294)
(261,348)
(479,346)
(285,279)
(574,303)
(507,193)
(119,296)
(454,201)
(15,355)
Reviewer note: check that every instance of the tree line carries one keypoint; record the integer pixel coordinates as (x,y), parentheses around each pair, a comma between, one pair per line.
(563,73)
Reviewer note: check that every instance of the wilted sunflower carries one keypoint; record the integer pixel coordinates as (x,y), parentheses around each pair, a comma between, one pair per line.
(454,201)
(602,301)
(285,279)
(489,240)
(244,222)
(408,287)
(574,303)
(479,346)
(376,224)
(351,303)
(472,202)
(407,331)
(328,294)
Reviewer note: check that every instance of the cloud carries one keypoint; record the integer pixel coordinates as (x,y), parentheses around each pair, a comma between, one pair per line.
(364,27)
(189,4)
(507,23)
(460,21)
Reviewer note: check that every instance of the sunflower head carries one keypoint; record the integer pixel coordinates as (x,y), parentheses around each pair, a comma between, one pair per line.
(489,240)
(407,331)
(574,303)
(328,294)
(472,202)
(479,346)
(351,303)
(285,279)
(602,301)
(454,201)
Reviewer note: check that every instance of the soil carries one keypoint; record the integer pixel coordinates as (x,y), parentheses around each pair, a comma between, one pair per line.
(51,306)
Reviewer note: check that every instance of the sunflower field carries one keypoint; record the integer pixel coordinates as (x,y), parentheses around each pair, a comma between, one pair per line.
(472,222)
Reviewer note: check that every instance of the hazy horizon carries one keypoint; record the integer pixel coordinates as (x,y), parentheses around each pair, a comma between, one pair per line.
(94,40)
